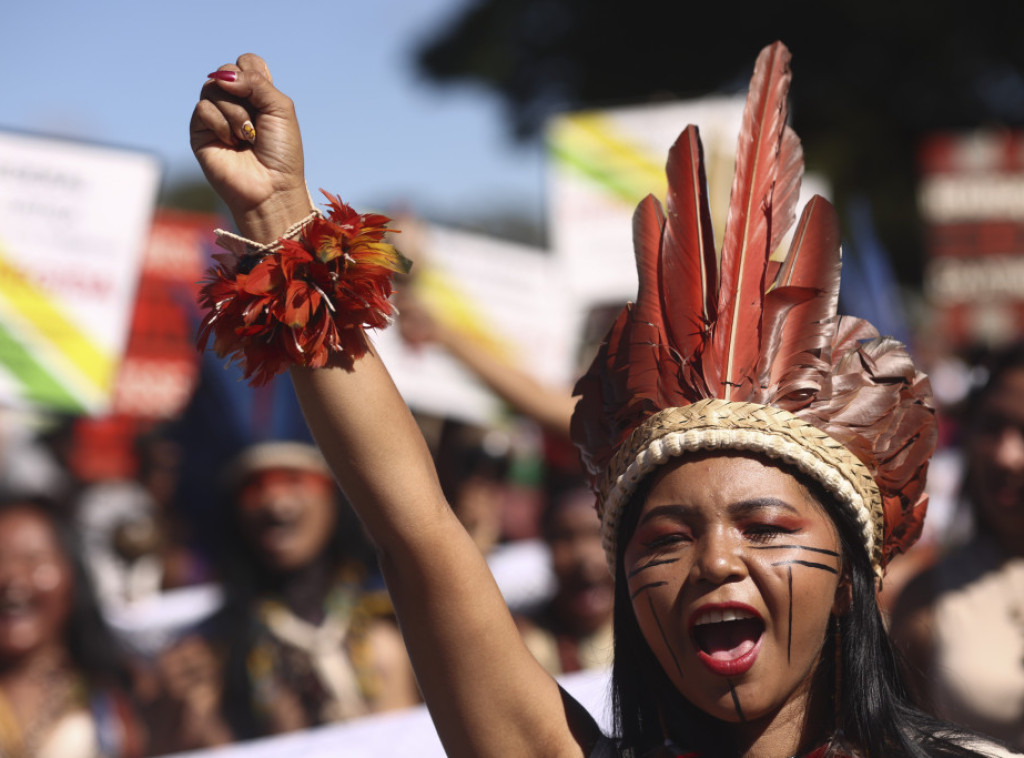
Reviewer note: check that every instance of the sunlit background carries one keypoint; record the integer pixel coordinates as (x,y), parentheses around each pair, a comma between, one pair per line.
(520,134)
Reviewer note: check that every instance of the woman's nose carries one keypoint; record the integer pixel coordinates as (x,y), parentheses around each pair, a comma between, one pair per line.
(718,558)
(13,578)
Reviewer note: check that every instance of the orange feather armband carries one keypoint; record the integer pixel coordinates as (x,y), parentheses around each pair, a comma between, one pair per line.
(304,300)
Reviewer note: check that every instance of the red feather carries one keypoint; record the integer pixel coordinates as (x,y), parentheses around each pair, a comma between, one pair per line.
(800,310)
(703,329)
(689,263)
(749,228)
(646,333)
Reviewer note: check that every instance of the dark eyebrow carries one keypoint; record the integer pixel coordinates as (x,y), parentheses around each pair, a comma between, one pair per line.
(748,507)
(738,509)
(676,512)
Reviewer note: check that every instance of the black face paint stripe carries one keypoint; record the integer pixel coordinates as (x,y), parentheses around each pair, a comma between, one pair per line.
(789,639)
(736,701)
(650,564)
(809,564)
(821,550)
(668,644)
(649,585)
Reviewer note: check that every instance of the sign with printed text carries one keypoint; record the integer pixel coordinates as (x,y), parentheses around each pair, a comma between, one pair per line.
(74,219)
(971,197)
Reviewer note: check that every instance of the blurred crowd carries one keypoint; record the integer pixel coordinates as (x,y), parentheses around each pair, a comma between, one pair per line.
(164,590)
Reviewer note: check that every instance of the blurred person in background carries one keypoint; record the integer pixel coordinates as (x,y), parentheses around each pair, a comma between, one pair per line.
(473,465)
(549,407)
(63,682)
(960,623)
(573,630)
(306,637)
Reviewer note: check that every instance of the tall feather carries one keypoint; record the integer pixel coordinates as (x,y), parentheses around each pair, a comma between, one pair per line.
(703,329)
(689,263)
(648,342)
(800,312)
(628,388)
(649,355)
(753,224)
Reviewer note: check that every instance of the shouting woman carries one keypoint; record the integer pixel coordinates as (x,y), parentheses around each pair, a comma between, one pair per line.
(756,459)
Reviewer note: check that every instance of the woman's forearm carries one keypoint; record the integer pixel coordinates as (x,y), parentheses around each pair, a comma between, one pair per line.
(486,693)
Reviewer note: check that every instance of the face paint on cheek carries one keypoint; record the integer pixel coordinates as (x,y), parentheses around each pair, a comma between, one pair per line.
(650,585)
(808,564)
(789,638)
(799,562)
(664,638)
(736,701)
(645,587)
(789,578)
(819,550)
(651,564)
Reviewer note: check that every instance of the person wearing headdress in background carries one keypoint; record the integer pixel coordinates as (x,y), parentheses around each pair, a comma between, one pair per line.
(757,460)
(565,612)
(960,623)
(304,638)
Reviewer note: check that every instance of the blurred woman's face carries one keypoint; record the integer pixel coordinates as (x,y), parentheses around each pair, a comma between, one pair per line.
(995,449)
(585,594)
(36,584)
(287,515)
(733,571)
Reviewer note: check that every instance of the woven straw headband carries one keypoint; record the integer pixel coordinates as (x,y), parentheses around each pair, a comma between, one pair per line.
(715,424)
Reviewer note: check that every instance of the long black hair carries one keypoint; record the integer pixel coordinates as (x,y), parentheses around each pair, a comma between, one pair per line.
(92,647)
(873,716)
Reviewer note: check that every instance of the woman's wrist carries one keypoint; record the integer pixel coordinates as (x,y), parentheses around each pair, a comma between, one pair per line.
(268,221)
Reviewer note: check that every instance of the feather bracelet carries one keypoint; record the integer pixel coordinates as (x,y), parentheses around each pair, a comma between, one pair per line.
(305,299)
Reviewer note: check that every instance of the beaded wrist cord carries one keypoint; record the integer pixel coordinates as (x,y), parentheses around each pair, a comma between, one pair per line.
(305,299)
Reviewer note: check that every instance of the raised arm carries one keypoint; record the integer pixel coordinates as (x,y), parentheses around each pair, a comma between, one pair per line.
(550,407)
(485,692)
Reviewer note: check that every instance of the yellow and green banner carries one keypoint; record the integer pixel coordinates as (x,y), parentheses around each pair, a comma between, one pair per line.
(74,218)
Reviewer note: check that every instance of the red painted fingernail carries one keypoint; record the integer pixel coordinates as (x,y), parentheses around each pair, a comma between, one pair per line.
(224,76)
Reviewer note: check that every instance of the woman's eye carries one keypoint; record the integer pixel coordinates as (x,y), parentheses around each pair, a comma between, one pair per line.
(665,540)
(766,532)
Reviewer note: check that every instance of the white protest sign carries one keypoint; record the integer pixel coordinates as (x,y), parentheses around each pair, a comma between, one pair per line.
(507,297)
(406,732)
(604,162)
(74,218)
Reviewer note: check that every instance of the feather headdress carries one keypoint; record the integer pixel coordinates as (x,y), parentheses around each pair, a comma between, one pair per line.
(745,351)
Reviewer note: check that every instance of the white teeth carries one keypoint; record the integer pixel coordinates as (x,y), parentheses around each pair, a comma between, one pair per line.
(718,615)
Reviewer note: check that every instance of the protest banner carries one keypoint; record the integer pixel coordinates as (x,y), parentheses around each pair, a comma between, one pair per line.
(602,164)
(160,369)
(507,297)
(971,196)
(406,732)
(74,218)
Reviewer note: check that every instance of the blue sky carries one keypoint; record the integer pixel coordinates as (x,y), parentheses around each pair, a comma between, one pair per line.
(128,72)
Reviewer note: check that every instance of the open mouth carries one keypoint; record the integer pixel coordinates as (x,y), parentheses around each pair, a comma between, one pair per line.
(727,638)
(271,534)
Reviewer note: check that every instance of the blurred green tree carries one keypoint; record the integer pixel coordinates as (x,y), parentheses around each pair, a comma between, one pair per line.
(870,77)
